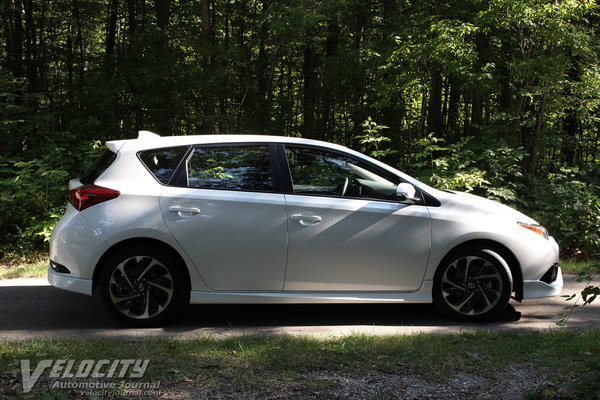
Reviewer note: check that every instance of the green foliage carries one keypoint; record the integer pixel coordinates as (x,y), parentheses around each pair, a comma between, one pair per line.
(372,138)
(511,89)
(33,191)
(430,145)
(588,294)
(567,202)
(453,168)
(489,169)
(587,384)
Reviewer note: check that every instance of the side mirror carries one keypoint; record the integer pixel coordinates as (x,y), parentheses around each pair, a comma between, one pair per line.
(405,191)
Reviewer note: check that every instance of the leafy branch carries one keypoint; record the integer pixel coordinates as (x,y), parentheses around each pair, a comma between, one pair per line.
(588,294)
(372,137)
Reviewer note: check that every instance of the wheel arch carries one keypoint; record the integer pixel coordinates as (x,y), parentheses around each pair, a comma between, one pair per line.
(502,251)
(140,241)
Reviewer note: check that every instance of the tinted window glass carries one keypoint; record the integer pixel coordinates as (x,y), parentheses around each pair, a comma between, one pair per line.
(321,172)
(232,168)
(163,162)
(98,167)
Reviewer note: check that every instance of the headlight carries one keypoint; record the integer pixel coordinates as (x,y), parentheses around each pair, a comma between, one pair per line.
(540,230)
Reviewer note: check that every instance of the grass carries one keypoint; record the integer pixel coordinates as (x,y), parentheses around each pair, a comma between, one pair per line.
(31,266)
(262,366)
(573,267)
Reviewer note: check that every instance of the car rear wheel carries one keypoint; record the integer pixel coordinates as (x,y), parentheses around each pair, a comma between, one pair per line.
(142,286)
(472,284)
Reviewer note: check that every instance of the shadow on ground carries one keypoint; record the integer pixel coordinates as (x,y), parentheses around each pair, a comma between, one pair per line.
(44,311)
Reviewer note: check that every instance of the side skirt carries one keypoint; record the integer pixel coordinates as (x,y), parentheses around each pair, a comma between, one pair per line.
(423,295)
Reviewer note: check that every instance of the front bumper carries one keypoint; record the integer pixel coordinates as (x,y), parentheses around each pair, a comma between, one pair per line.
(538,288)
(70,283)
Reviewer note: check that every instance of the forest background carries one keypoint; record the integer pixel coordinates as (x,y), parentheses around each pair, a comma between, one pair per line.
(496,97)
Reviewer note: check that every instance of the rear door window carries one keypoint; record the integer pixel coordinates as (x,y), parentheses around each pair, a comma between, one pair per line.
(231,168)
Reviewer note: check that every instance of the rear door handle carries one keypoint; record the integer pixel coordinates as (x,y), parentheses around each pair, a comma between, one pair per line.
(184,211)
(306,219)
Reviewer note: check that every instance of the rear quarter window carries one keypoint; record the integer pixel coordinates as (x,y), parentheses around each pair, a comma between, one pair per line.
(162,163)
(101,164)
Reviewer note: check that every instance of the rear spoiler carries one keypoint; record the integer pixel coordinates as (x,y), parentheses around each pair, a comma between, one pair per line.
(115,145)
(147,135)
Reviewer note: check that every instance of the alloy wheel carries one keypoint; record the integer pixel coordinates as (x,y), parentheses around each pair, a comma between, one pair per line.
(141,287)
(471,285)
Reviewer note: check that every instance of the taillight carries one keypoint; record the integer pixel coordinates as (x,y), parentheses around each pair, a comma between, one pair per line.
(89,195)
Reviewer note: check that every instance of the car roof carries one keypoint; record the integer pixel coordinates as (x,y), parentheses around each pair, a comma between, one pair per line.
(149,140)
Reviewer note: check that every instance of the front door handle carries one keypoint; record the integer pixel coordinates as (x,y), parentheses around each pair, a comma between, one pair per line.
(184,211)
(306,219)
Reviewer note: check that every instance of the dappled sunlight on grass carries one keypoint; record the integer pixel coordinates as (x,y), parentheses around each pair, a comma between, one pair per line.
(573,267)
(35,267)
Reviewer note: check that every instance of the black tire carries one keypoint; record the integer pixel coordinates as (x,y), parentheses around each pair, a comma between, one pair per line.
(472,284)
(143,286)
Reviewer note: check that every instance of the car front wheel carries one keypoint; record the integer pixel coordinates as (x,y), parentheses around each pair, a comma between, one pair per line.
(142,286)
(472,284)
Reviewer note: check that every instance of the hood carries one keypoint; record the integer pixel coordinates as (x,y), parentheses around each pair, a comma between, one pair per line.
(488,208)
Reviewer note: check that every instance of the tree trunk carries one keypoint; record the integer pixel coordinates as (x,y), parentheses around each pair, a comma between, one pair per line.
(476,109)
(423,116)
(70,59)
(79,41)
(40,54)
(162,14)
(571,124)
(445,100)
(262,112)
(243,61)
(596,143)
(452,128)
(132,17)
(434,113)
(362,18)
(503,77)
(395,110)
(30,47)
(227,22)
(467,118)
(111,35)
(538,133)
(310,86)
(13,35)
(482,47)
(328,97)
(391,11)
(569,140)
(209,100)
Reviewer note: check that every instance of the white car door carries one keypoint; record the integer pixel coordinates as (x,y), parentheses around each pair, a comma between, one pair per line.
(228,219)
(346,229)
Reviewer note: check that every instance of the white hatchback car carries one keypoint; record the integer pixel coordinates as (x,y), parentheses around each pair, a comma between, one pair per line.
(158,222)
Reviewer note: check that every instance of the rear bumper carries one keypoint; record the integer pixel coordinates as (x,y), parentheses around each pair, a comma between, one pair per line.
(537,289)
(70,283)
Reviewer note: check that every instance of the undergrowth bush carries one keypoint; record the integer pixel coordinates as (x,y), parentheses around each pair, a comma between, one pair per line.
(33,186)
(566,202)
(33,193)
